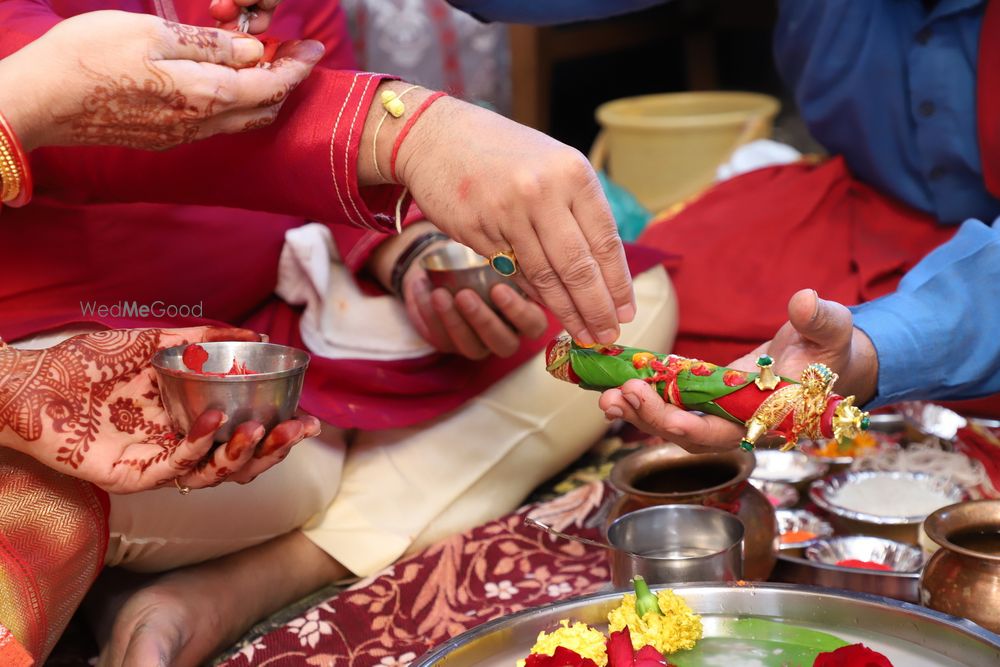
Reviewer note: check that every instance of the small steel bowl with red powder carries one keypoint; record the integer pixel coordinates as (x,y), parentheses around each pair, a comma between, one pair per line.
(862,552)
(246,381)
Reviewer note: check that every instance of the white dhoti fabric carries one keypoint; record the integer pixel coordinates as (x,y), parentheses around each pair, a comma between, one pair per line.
(390,492)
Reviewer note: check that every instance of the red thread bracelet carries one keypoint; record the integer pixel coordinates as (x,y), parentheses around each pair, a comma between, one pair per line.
(22,165)
(406,130)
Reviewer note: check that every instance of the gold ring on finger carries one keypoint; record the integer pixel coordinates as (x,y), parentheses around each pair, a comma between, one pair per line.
(184,490)
(504,263)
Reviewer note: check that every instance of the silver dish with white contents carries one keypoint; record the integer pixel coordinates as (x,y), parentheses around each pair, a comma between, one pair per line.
(933,492)
(791,467)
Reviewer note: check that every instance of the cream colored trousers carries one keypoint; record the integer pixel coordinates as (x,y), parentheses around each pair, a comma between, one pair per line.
(396,491)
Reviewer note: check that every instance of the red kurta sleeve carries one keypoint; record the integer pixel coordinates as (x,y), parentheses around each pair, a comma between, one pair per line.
(304,165)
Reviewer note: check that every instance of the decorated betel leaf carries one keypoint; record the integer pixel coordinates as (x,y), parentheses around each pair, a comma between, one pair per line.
(700,389)
(601,372)
(764,402)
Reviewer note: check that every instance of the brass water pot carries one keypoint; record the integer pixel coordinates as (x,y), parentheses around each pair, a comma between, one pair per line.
(963,579)
(668,475)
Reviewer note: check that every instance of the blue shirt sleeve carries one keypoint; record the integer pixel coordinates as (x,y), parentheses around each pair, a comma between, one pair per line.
(938,335)
(543,12)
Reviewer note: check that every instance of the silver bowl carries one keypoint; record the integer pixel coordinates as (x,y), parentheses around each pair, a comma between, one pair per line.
(790,467)
(824,492)
(896,555)
(455,267)
(676,543)
(790,521)
(269,396)
(779,494)
(879,519)
(794,569)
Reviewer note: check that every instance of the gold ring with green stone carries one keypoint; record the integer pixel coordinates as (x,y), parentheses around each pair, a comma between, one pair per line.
(504,263)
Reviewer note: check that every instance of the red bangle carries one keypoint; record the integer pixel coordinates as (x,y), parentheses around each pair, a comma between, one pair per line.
(14,166)
(406,130)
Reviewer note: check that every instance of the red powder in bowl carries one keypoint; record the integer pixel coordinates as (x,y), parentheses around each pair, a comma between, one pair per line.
(864,565)
(195,356)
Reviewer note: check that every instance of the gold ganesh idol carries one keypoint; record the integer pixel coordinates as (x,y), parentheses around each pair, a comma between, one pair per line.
(762,401)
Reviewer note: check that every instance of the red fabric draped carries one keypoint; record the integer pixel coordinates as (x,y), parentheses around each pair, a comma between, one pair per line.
(751,242)
(988,97)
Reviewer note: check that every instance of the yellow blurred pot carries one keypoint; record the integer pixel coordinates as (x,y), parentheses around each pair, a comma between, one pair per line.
(666,148)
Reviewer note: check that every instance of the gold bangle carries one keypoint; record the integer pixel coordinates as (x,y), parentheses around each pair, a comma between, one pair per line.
(15,187)
(9,173)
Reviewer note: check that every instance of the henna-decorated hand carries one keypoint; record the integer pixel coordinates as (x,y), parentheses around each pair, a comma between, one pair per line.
(90,407)
(816,331)
(134,80)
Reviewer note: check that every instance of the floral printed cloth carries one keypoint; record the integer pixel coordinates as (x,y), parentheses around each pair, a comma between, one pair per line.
(461,582)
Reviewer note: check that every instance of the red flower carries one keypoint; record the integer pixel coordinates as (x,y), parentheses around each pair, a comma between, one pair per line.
(734,378)
(620,653)
(855,655)
(563,657)
(703,369)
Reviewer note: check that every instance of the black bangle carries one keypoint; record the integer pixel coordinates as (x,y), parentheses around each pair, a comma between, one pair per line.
(408,256)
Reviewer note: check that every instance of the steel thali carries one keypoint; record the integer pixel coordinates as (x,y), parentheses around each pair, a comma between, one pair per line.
(910,636)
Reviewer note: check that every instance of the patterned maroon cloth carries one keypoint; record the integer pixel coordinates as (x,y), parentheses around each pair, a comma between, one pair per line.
(461,582)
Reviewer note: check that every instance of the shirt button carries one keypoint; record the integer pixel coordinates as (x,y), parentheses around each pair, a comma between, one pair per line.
(937,173)
(924,36)
(926,109)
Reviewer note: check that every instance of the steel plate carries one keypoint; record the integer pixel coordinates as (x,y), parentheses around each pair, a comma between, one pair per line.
(910,636)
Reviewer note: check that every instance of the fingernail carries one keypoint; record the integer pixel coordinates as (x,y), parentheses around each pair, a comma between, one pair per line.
(584,338)
(608,336)
(675,432)
(206,425)
(247,49)
(614,412)
(441,301)
(236,446)
(312,51)
(502,295)
(626,313)
(632,400)
(468,300)
(313,423)
(282,436)
(242,439)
